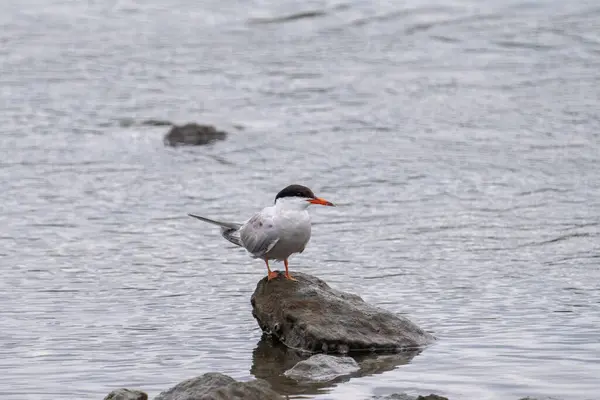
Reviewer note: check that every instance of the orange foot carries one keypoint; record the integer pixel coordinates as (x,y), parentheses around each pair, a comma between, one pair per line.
(291,278)
(287,272)
(272,275)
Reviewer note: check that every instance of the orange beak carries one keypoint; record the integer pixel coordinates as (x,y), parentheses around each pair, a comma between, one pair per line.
(321,201)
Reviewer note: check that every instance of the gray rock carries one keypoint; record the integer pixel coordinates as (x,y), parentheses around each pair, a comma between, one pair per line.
(404,396)
(126,394)
(322,368)
(270,360)
(215,386)
(308,314)
(193,134)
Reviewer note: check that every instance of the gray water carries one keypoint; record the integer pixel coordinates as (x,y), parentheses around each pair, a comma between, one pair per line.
(460,140)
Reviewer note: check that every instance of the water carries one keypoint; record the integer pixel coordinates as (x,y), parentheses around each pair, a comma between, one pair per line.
(459,139)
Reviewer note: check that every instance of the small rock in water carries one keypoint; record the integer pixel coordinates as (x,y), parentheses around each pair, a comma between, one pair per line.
(126,394)
(404,396)
(193,134)
(215,386)
(308,314)
(322,368)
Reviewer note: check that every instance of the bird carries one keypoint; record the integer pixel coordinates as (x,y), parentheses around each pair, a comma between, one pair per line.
(276,232)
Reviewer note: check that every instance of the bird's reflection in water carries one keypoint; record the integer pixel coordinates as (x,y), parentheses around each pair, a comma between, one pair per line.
(270,359)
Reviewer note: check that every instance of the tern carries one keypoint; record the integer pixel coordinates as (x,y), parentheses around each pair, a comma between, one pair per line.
(276,232)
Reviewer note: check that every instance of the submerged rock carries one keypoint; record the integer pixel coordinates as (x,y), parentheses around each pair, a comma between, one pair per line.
(308,314)
(404,396)
(126,394)
(322,368)
(215,386)
(271,359)
(193,134)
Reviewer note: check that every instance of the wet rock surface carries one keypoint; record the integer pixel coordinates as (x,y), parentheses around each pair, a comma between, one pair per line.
(308,314)
(215,386)
(193,134)
(126,394)
(322,368)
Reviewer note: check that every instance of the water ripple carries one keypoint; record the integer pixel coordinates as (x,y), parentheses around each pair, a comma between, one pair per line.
(460,146)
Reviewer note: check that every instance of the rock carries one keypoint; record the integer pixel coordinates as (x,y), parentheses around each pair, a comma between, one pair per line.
(270,360)
(308,314)
(215,386)
(322,368)
(126,394)
(404,396)
(193,134)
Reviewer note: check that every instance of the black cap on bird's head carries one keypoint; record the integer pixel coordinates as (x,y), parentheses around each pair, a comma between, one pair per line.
(302,192)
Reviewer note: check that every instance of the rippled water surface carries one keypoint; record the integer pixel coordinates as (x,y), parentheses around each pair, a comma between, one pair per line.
(460,140)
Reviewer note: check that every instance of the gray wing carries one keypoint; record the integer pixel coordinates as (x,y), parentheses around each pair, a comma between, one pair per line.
(258,235)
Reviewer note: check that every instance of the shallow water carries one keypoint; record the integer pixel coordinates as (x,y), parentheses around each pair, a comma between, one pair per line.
(458,138)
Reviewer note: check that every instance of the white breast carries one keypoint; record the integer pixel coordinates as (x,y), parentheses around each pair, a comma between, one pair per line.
(293,229)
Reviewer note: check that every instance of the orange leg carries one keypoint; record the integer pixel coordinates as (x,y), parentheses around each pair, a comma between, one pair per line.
(270,275)
(287,272)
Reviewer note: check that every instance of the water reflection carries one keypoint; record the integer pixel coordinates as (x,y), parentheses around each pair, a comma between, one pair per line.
(271,359)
